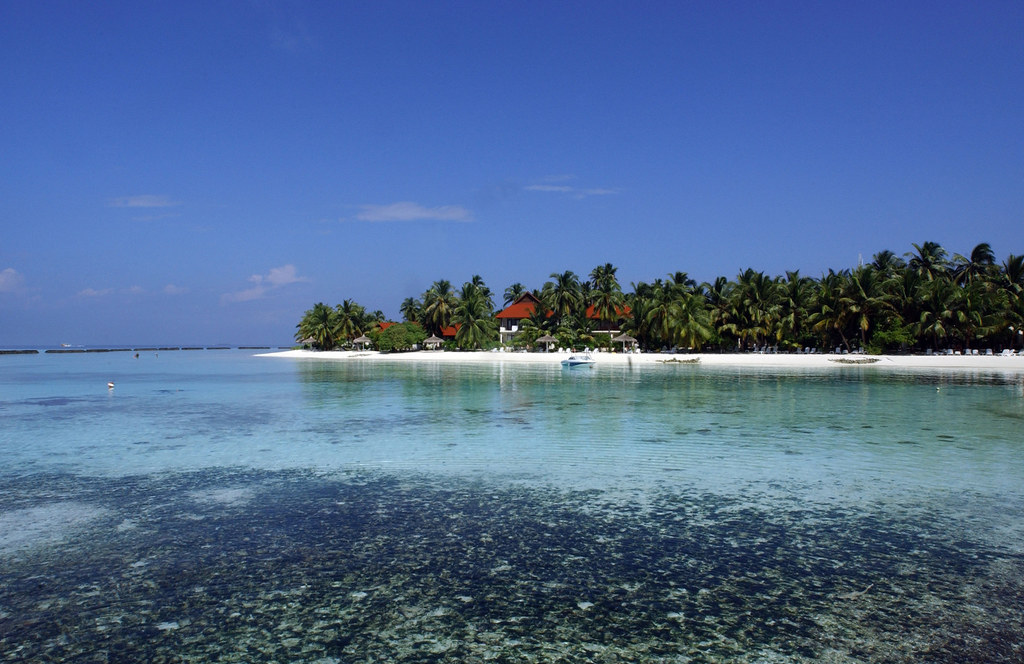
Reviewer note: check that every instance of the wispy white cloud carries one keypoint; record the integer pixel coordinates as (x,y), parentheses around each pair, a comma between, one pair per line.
(10,280)
(280,276)
(93,292)
(143,201)
(569,190)
(409,211)
(275,278)
(171,289)
(254,293)
(549,187)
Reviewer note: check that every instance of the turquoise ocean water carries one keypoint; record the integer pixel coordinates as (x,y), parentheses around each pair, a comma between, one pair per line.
(216,506)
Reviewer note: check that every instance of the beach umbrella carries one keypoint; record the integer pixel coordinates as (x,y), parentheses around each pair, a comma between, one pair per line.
(548,340)
(433,341)
(362,340)
(625,339)
(308,341)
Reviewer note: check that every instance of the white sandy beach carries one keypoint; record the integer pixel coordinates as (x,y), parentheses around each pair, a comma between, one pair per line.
(957,362)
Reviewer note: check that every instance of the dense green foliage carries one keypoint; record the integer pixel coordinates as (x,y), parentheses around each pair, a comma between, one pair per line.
(327,328)
(925,299)
(401,336)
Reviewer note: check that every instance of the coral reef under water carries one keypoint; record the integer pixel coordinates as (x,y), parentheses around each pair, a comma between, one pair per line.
(244,566)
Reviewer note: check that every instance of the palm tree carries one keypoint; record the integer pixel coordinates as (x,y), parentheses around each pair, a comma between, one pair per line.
(576,329)
(438,303)
(863,298)
(756,305)
(669,313)
(563,294)
(473,317)
(350,320)
(903,293)
(978,266)
(319,324)
(691,324)
(1013,273)
(1011,289)
(980,312)
(586,294)
(603,276)
(513,293)
(639,303)
(719,298)
(794,299)
(682,282)
(478,281)
(830,315)
(411,309)
(659,319)
(940,300)
(606,294)
(887,263)
(541,318)
(930,260)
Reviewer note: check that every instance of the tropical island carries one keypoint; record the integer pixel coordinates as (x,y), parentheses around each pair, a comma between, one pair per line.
(922,302)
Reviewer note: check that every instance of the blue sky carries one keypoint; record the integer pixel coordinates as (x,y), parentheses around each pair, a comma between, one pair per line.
(205,172)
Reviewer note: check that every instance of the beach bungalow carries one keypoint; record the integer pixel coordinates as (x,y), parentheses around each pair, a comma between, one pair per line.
(610,327)
(511,317)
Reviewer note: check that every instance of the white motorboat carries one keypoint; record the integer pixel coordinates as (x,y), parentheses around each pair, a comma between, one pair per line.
(579,360)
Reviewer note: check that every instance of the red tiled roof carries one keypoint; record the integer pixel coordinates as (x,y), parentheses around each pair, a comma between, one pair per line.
(525,305)
(521,308)
(450,330)
(386,324)
(621,311)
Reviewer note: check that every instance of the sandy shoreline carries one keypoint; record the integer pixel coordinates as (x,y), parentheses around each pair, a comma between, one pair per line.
(957,362)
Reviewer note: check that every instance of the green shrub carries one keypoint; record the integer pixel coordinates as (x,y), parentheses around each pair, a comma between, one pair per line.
(889,338)
(399,337)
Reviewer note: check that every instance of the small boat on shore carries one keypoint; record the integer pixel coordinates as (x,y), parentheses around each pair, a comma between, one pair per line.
(579,360)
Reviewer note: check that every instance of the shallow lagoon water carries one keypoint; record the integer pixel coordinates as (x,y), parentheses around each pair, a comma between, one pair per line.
(216,506)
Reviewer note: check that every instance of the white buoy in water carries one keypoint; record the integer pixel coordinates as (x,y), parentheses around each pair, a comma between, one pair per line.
(110,385)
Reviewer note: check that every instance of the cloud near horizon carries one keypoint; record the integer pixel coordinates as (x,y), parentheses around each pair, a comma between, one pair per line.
(143,201)
(409,211)
(275,278)
(10,280)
